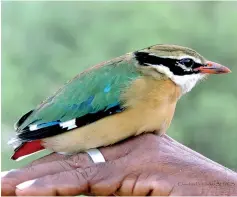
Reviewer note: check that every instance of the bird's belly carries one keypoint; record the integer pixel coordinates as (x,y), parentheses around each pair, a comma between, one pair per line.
(112,129)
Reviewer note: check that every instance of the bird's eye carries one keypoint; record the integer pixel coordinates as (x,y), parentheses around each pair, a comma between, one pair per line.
(188,62)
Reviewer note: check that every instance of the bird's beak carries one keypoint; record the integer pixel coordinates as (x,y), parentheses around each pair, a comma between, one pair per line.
(213,68)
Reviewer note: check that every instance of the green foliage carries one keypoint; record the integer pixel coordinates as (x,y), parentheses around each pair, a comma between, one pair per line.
(46,43)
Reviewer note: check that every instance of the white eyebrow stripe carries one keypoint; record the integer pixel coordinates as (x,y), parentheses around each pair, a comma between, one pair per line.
(179,57)
(191,57)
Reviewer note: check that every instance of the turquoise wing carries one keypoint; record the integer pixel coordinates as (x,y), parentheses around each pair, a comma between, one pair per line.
(88,97)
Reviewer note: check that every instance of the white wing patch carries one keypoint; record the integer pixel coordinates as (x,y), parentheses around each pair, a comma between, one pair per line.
(71,124)
(33,127)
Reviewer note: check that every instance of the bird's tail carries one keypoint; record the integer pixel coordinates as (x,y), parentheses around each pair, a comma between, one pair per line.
(24,149)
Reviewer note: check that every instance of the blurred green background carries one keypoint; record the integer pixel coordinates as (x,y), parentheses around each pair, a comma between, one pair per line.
(46,43)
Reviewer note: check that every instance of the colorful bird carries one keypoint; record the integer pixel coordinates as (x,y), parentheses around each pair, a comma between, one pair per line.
(123,97)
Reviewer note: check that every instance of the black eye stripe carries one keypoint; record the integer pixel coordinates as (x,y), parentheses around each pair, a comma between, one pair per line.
(145,58)
(189,63)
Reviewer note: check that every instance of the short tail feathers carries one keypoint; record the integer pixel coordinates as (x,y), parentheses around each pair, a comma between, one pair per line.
(26,149)
(15,143)
(28,140)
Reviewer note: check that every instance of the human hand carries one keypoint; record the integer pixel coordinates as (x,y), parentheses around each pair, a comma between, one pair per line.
(144,165)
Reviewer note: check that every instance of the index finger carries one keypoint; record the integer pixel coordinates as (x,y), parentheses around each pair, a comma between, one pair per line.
(39,169)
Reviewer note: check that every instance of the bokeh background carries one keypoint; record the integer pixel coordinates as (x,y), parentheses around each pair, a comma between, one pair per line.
(44,44)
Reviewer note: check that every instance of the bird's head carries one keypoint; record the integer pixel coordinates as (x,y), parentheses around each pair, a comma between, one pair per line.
(184,66)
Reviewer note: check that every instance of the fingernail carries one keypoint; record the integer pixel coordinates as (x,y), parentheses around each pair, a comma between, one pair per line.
(25,184)
(4,173)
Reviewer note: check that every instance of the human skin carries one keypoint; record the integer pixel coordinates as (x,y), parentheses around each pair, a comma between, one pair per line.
(144,165)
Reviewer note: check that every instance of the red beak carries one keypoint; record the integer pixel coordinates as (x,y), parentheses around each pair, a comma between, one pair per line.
(213,68)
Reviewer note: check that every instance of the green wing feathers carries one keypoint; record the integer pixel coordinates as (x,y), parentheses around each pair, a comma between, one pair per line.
(91,91)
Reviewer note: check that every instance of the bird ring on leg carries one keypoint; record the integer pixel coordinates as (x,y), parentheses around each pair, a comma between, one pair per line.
(95,155)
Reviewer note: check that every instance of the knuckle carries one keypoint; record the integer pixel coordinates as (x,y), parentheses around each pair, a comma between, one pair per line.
(89,173)
(94,173)
(78,160)
(132,176)
(83,176)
